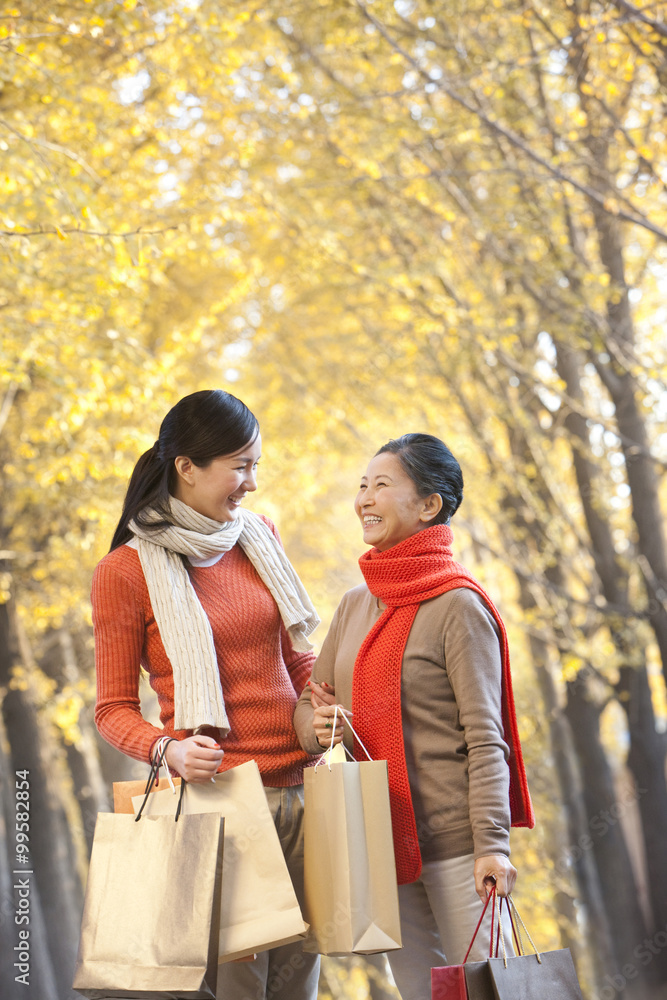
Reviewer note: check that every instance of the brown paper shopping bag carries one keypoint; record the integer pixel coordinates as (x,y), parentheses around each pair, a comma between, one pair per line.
(350,871)
(125,791)
(259,908)
(151,914)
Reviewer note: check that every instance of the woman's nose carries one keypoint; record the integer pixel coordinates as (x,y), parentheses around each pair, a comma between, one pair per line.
(250,481)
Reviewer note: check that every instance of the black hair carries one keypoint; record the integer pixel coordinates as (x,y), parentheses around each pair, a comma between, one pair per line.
(432,468)
(202,426)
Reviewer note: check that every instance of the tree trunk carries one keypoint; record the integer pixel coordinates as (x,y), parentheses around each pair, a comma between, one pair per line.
(646,760)
(41,978)
(567,854)
(90,789)
(614,356)
(640,467)
(605,837)
(573,855)
(51,850)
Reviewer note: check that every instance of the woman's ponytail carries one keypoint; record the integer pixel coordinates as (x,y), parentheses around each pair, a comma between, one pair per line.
(148,487)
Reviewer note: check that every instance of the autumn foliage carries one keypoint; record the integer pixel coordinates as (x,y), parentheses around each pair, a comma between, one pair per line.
(364,218)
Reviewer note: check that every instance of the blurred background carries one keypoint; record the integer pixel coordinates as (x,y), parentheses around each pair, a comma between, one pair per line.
(362,218)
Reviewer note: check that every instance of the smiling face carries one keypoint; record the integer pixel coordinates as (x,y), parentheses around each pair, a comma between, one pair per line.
(217,489)
(388,506)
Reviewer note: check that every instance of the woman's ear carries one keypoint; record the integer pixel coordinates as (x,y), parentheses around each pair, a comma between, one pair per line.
(184,469)
(431,507)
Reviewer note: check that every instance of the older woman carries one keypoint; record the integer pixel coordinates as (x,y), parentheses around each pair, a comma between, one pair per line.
(419,654)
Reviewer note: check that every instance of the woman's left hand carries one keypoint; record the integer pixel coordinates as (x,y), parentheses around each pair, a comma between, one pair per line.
(490,867)
(321,693)
(323,717)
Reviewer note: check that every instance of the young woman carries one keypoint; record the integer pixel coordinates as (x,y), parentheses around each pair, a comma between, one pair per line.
(199,592)
(419,654)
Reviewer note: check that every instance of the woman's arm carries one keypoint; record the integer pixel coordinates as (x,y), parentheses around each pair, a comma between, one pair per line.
(473,660)
(314,696)
(119,624)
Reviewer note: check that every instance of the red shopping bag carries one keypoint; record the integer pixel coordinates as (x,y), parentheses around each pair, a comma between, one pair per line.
(448,982)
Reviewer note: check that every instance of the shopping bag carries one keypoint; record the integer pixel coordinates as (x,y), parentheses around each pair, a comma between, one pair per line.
(151,913)
(125,791)
(349,867)
(470,981)
(448,982)
(259,909)
(478,981)
(522,977)
(534,977)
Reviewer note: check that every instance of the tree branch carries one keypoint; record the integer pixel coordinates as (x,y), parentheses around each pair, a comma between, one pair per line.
(516,139)
(7,403)
(58,231)
(639,15)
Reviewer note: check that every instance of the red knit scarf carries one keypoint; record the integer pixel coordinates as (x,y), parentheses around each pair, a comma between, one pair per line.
(402,577)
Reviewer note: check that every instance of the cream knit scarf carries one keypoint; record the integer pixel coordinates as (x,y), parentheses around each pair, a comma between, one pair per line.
(183,624)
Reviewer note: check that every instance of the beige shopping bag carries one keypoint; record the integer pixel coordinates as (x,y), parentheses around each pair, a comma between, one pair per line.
(259,909)
(150,922)
(350,871)
(125,791)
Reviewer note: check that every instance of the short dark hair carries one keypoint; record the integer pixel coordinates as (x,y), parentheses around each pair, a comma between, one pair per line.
(432,468)
(203,426)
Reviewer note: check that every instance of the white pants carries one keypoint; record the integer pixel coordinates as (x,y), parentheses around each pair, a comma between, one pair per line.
(285,973)
(439,913)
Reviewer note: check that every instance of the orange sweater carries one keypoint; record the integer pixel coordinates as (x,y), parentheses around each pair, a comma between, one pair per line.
(262,675)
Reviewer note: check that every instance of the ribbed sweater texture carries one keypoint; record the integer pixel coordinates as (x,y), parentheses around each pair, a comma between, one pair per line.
(262,675)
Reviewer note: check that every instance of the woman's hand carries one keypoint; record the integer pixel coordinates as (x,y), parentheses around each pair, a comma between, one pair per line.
(321,693)
(196,758)
(323,724)
(490,867)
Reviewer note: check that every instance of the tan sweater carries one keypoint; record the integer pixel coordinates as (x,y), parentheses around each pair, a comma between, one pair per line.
(451,714)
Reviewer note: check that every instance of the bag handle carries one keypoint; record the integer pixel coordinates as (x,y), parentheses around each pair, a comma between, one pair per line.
(496,913)
(520,920)
(152,778)
(517,937)
(333,732)
(490,896)
(500,932)
(511,905)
